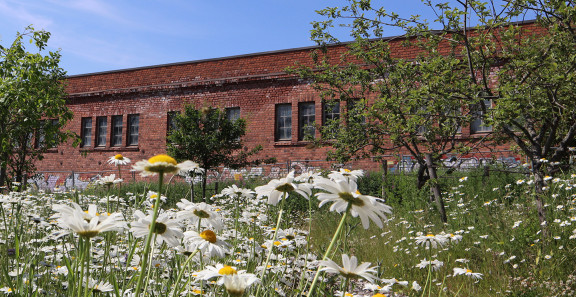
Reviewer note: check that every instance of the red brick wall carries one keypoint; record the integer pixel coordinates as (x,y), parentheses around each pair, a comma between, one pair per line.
(255,83)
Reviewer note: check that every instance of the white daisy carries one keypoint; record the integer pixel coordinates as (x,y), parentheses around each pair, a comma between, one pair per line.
(468,272)
(346,174)
(199,212)
(276,188)
(87,224)
(236,284)
(99,287)
(350,268)
(165,229)
(345,195)
(118,160)
(236,192)
(431,240)
(108,180)
(207,242)
(162,164)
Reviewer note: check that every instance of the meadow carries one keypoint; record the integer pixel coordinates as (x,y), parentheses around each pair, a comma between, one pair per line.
(331,233)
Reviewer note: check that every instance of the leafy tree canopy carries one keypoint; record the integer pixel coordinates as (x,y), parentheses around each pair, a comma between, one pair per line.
(32,104)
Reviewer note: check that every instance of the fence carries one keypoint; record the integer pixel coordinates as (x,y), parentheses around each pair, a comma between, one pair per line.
(66,180)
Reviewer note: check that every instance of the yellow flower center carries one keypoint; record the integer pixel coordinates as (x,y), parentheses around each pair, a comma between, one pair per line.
(348,197)
(277,243)
(379,295)
(430,235)
(119,157)
(209,235)
(201,213)
(468,271)
(162,158)
(227,270)
(153,196)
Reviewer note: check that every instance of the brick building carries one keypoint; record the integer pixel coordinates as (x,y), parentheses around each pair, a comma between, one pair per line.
(128,111)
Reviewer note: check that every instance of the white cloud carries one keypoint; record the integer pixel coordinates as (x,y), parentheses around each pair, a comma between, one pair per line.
(24,14)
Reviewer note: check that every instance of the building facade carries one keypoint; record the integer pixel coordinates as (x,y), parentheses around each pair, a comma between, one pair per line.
(128,111)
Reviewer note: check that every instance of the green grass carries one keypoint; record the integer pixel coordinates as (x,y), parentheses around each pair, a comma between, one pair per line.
(484,210)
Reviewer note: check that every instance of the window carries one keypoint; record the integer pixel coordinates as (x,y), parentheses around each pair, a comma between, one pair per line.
(41,140)
(86,133)
(171,124)
(101,130)
(330,115)
(451,117)
(116,136)
(477,125)
(283,122)
(233,113)
(306,120)
(133,124)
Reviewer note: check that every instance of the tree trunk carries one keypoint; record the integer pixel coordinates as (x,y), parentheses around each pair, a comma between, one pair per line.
(204,177)
(422,178)
(435,188)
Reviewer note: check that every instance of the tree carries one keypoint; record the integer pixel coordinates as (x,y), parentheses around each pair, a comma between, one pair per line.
(32,105)
(209,138)
(517,80)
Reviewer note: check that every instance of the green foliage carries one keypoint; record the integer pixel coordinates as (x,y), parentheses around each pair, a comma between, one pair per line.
(32,104)
(208,137)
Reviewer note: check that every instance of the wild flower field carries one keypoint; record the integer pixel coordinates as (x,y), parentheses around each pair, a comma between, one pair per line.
(316,234)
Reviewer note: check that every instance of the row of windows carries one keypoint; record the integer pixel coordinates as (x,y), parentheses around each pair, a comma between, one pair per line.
(115,134)
(306,119)
(331,111)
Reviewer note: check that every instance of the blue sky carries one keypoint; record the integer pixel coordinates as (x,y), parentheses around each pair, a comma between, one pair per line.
(102,35)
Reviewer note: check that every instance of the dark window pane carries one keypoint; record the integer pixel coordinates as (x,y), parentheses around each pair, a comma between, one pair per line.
(233,113)
(101,130)
(116,137)
(306,120)
(283,122)
(133,125)
(86,132)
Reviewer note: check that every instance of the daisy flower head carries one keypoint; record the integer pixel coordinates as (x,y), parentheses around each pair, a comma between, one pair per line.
(162,164)
(468,272)
(236,284)
(108,180)
(118,160)
(345,195)
(431,240)
(199,212)
(87,224)
(346,174)
(350,268)
(99,286)
(165,229)
(276,188)
(207,242)
(236,192)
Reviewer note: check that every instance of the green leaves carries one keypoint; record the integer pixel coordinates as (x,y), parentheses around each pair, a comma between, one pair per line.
(31,92)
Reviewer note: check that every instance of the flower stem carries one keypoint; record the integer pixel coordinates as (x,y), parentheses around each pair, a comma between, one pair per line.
(273,240)
(150,235)
(334,238)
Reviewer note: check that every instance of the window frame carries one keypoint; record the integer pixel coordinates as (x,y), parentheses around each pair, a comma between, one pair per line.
(101,131)
(306,120)
(233,113)
(477,124)
(283,122)
(116,130)
(132,129)
(86,124)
